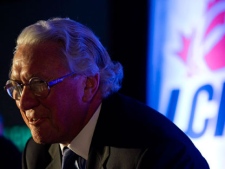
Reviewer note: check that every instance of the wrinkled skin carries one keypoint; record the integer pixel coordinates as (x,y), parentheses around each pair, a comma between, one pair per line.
(60,116)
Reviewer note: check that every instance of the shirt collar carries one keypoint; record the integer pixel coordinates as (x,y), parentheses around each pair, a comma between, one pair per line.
(81,143)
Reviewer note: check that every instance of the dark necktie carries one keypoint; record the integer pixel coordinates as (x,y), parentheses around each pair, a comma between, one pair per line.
(69,158)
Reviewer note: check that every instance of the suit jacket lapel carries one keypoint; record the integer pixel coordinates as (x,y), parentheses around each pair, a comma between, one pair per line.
(97,157)
(56,155)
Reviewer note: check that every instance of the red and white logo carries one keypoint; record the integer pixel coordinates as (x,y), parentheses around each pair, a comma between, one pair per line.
(210,39)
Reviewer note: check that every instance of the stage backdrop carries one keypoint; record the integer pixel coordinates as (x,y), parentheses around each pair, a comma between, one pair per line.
(186,65)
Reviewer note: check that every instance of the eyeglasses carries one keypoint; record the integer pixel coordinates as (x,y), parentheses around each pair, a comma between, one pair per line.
(39,87)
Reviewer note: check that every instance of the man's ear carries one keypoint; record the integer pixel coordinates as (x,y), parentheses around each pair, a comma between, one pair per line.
(91,87)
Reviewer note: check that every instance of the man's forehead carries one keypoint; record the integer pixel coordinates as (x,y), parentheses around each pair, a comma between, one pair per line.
(17,67)
(36,63)
(22,61)
(22,54)
(46,51)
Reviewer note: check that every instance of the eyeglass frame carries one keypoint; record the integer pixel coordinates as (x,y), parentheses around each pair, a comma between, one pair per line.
(48,84)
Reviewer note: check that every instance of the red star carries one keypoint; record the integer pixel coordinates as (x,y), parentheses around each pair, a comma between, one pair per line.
(184,51)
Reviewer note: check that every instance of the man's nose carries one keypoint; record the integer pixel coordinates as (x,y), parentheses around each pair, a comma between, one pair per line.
(28,100)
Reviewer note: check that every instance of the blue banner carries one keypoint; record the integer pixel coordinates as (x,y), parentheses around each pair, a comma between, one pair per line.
(186,70)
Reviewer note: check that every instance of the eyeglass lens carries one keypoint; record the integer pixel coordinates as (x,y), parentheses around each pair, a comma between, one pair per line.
(37,86)
(13,89)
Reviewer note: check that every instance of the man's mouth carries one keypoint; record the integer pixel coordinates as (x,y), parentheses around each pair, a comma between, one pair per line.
(34,121)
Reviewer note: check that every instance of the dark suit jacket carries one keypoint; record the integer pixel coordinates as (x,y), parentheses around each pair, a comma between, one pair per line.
(128,135)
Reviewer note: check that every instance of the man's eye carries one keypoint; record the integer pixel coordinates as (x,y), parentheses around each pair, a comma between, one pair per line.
(21,85)
(38,83)
(17,84)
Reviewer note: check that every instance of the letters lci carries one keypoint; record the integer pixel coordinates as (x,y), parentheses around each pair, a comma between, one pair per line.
(210,92)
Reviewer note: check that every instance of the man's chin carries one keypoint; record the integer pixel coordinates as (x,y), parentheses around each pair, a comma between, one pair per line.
(40,139)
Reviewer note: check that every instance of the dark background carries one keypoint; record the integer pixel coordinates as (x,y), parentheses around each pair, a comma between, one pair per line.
(121,26)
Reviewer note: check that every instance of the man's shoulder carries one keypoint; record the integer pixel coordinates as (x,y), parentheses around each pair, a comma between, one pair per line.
(125,101)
